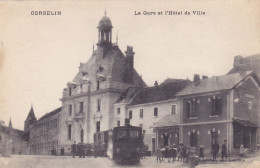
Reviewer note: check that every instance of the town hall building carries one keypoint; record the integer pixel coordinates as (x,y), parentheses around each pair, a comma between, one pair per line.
(87,101)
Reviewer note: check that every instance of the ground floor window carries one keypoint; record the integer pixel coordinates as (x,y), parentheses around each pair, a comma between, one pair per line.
(193,139)
(69,132)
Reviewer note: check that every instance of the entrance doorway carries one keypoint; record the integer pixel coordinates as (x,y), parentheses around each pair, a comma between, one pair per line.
(244,135)
(214,137)
(165,139)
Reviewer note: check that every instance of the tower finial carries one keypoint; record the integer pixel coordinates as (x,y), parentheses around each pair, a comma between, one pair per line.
(105,12)
(117,38)
(10,123)
(93,48)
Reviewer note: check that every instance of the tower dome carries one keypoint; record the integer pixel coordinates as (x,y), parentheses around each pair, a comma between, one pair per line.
(105,30)
(105,24)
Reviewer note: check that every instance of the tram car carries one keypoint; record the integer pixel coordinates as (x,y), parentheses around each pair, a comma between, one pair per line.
(122,144)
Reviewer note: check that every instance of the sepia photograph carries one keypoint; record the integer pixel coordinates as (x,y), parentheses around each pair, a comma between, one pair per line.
(170,84)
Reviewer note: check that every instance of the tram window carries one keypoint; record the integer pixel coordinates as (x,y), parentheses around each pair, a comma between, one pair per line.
(121,134)
(134,134)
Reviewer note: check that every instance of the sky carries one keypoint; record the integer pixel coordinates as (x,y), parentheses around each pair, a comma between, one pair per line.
(40,54)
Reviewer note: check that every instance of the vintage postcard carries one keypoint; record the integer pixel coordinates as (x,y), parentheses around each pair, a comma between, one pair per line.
(129,83)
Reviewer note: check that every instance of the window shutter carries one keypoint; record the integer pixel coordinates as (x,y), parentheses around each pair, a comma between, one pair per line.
(219,105)
(188,109)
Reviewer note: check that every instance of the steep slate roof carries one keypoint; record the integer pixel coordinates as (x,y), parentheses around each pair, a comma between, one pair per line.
(216,83)
(51,113)
(160,92)
(170,80)
(167,121)
(113,65)
(129,95)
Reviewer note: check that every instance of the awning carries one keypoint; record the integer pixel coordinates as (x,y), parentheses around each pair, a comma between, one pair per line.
(167,121)
(246,123)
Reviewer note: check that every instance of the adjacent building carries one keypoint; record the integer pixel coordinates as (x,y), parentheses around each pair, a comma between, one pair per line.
(44,133)
(156,109)
(221,108)
(12,141)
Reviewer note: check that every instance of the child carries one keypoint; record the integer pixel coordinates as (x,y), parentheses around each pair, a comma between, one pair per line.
(159,155)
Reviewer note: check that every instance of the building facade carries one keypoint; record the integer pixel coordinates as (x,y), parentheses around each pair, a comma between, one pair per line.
(156,109)
(44,134)
(87,101)
(12,141)
(221,108)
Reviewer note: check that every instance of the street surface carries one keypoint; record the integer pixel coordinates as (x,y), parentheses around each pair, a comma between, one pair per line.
(29,161)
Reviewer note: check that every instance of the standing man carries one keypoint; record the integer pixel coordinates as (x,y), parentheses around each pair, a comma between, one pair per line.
(213,148)
(80,149)
(224,150)
(83,150)
(217,149)
(74,149)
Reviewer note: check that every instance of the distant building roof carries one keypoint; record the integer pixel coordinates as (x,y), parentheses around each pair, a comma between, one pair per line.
(161,92)
(249,63)
(216,83)
(8,130)
(51,113)
(167,121)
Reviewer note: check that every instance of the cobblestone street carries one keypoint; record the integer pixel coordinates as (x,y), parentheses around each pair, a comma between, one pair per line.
(30,161)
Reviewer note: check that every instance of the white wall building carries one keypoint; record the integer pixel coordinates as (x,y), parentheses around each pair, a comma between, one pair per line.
(145,107)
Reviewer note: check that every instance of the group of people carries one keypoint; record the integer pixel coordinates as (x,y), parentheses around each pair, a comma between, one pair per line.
(171,153)
(81,150)
(181,153)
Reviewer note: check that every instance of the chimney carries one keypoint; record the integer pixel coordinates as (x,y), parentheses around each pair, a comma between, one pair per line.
(155,83)
(129,64)
(238,61)
(196,79)
(204,77)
